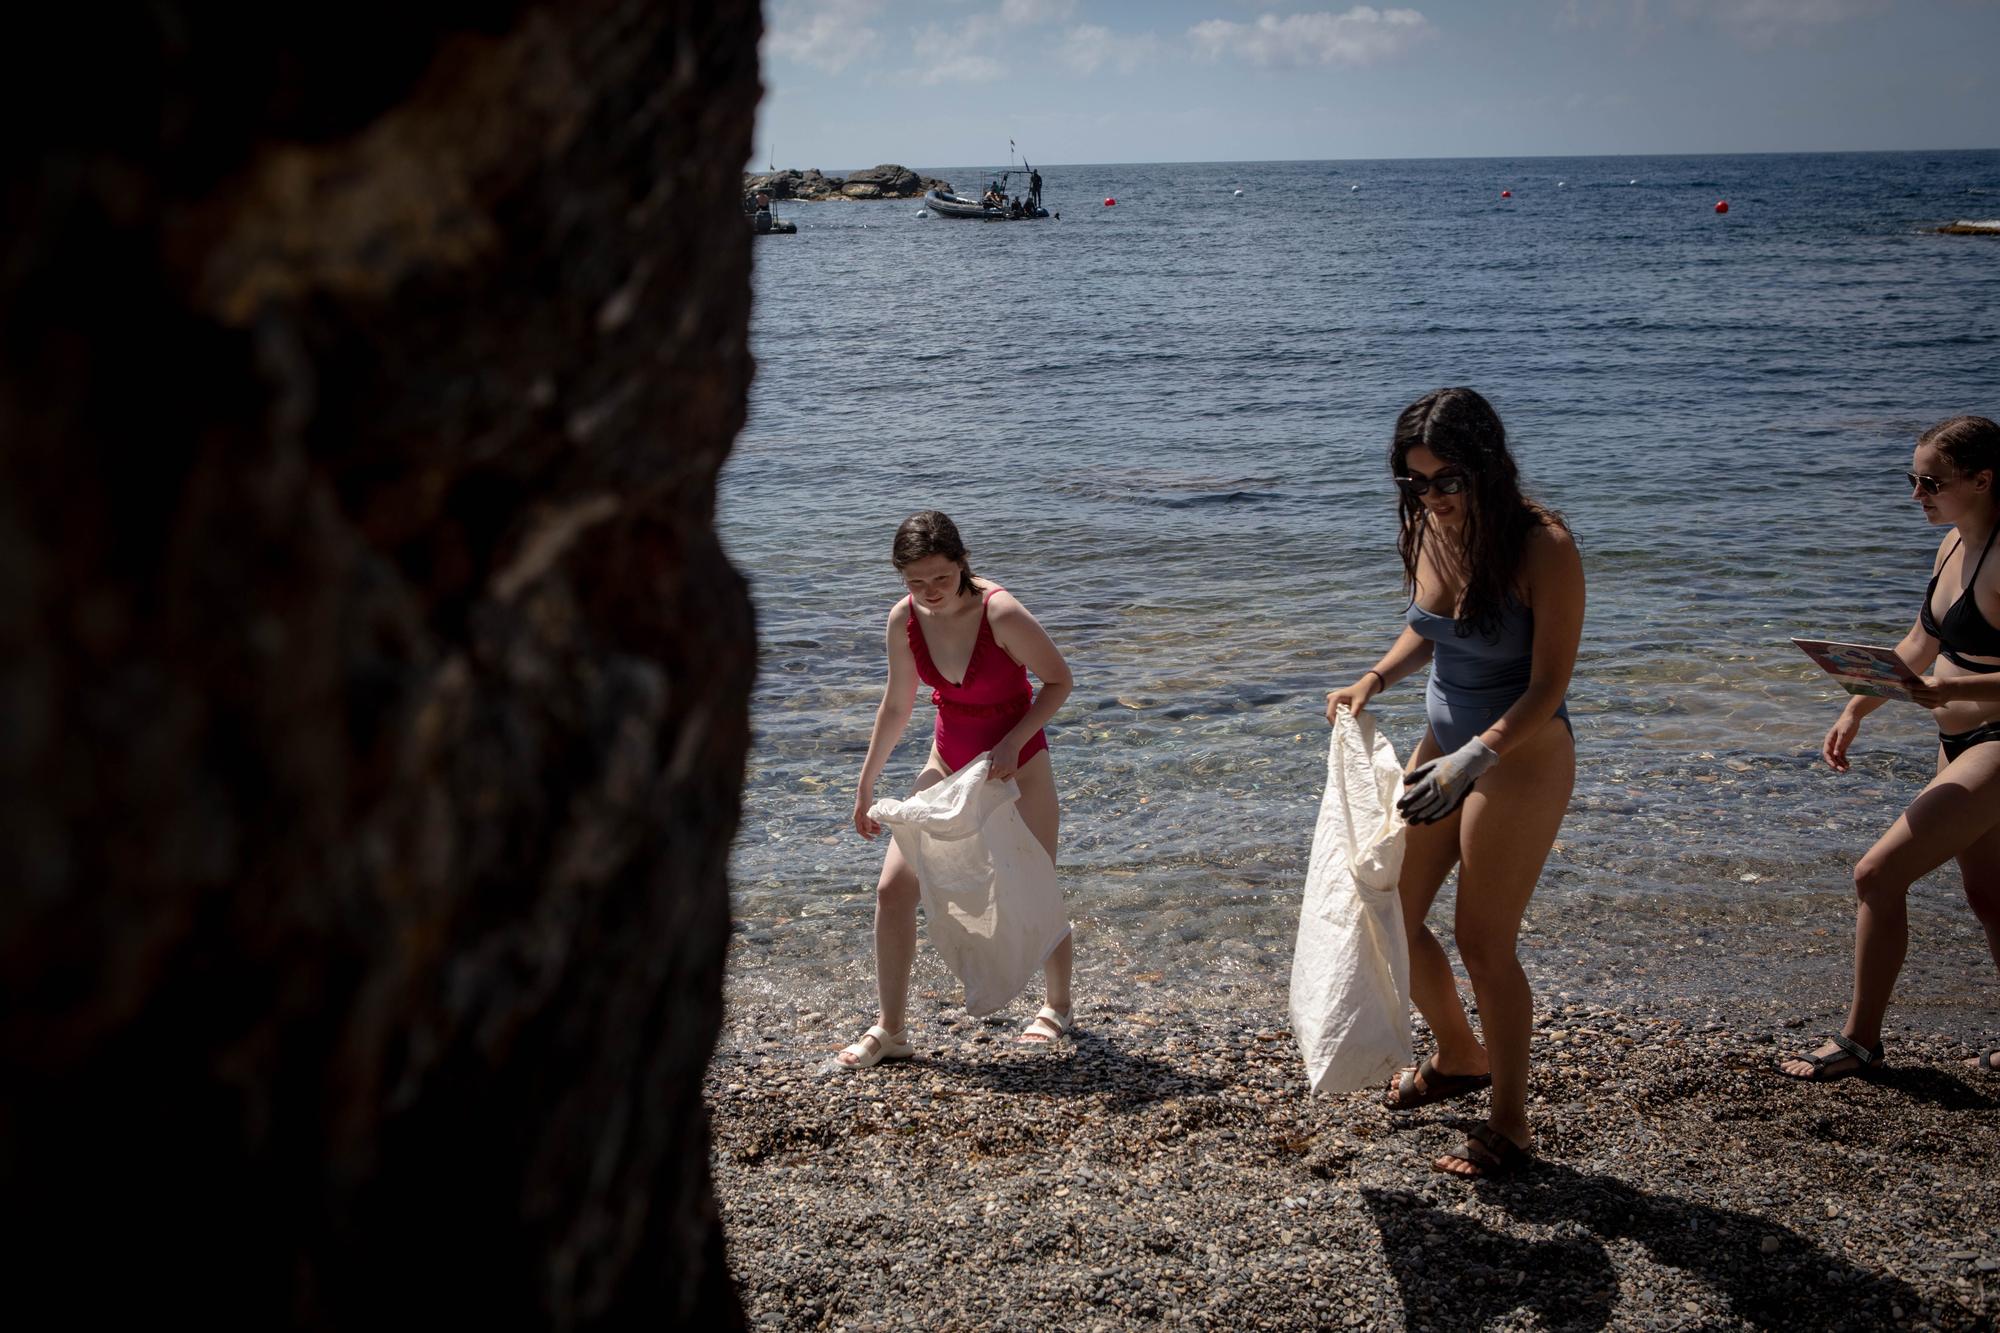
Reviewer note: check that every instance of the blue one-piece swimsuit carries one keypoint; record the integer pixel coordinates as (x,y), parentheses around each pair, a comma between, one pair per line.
(1476,678)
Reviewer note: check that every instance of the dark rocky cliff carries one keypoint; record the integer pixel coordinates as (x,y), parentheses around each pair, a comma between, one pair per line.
(372,686)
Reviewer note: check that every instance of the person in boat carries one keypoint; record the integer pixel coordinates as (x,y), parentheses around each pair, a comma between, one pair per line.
(761,218)
(974,644)
(1496,607)
(1014,209)
(1956,479)
(1034,189)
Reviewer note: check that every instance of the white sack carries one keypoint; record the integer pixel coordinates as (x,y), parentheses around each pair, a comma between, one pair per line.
(1351,968)
(989,887)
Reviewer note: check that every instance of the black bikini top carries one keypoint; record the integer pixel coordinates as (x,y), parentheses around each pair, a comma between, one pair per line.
(1964,628)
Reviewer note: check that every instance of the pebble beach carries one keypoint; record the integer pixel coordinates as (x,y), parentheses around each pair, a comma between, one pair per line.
(1168,1168)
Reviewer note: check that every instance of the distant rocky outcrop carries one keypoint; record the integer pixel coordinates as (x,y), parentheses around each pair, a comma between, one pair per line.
(1970,229)
(887,181)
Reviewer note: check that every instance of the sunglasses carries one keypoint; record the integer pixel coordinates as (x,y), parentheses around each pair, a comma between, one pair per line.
(1928,484)
(1445,483)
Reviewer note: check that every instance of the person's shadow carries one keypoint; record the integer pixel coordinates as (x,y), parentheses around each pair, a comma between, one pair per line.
(1087,1065)
(1771,1276)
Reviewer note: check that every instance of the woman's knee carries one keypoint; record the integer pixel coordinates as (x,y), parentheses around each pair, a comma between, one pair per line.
(1487,955)
(897,890)
(1876,884)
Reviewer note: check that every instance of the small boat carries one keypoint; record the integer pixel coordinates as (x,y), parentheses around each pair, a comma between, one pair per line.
(948,205)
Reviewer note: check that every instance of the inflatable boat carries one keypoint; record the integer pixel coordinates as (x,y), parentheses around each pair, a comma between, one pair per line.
(945,204)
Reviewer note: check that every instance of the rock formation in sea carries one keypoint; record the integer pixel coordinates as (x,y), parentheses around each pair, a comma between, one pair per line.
(887,181)
(373,687)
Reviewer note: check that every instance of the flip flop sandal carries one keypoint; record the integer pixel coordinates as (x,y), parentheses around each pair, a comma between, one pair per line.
(876,1045)
(1988,1063)
(1436,1087)
(1044,1029)
(1491,1154)
(1865,1062)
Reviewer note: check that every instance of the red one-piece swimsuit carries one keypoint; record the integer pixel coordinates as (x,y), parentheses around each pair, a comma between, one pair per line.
(973,714)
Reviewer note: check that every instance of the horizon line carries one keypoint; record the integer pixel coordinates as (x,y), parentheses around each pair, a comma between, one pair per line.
(1411,157)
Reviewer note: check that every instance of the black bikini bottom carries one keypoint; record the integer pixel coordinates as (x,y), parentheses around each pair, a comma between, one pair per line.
(1958,742)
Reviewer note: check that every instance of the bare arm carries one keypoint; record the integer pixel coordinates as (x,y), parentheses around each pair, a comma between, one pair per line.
(1022,638)
(1553,578)
(1919,653)
(892,716)
(1408,653)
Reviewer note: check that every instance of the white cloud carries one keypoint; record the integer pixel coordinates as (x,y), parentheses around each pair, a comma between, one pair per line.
(1758,24)
(1088,47)
(1023,13)
(827,34)
(958,55)
(1766,23)
(1361,36)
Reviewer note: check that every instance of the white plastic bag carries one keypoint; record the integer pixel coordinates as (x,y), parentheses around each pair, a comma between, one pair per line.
(989,887)
(1351,967)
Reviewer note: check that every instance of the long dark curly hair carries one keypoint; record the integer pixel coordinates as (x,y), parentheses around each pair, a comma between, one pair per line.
(1463,430)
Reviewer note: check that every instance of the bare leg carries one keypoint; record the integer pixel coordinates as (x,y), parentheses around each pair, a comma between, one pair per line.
(1508,824)
(896,926)
(1956,814)
(1429,853)
(1979,864)
(1042,813)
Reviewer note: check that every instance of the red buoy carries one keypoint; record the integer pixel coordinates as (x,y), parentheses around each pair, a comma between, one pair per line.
(1506,194)
(1722,205)
(1109,202)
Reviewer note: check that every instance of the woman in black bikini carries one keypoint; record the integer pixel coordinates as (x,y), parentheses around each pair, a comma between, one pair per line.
(1957,481)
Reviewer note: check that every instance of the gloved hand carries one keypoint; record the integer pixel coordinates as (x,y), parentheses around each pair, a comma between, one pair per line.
(1435,789)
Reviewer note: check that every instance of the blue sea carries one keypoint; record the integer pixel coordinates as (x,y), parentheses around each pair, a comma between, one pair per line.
(1164,425)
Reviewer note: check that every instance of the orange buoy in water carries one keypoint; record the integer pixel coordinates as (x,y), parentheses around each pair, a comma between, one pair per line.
(1506,194)
(1722,205)
(1109,202)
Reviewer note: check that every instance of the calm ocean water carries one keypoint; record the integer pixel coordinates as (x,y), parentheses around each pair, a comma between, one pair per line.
(1164,426)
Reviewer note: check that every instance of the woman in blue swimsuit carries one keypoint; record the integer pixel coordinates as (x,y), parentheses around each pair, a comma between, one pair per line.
(1496,608)
(1956,479)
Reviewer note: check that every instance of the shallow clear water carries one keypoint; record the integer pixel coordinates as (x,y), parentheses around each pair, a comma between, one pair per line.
(1163,425)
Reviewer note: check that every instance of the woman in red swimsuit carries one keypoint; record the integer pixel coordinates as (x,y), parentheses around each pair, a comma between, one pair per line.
(973,643)
(1956,479)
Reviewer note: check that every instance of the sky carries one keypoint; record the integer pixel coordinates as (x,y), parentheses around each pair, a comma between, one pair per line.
(937,83)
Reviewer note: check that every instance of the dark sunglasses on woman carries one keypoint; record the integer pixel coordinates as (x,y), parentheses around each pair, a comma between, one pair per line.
(1445,483)
(1931,485)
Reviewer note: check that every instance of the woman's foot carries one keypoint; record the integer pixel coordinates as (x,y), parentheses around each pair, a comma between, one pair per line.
(1422,1084)
(1489,1155)
(876,1045)
(1045,1028)
(1838,1057)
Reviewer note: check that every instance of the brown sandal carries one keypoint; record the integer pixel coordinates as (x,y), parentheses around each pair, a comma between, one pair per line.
(1408,1096)
(1866,1062)
(1491,1155)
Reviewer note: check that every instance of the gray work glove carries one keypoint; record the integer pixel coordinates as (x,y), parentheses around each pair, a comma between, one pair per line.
(1435,789)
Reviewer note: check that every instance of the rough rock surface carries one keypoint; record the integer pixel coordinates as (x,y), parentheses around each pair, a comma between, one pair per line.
(888,181)
(372,685)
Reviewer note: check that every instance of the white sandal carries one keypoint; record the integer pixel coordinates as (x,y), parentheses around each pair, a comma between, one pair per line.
(1044,1029)
(887,1045)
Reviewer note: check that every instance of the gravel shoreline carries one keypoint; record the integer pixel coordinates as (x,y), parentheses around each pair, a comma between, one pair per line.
(1167,1167)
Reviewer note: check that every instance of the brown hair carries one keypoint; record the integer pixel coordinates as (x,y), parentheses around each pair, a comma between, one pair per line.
(1970,444)
(931,533)
(1463,430)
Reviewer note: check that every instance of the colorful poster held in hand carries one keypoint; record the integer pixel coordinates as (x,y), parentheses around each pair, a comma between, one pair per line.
(1861,668)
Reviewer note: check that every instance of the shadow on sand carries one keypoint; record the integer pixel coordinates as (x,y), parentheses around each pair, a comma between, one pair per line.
(1086,1066)
(1770,1276)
